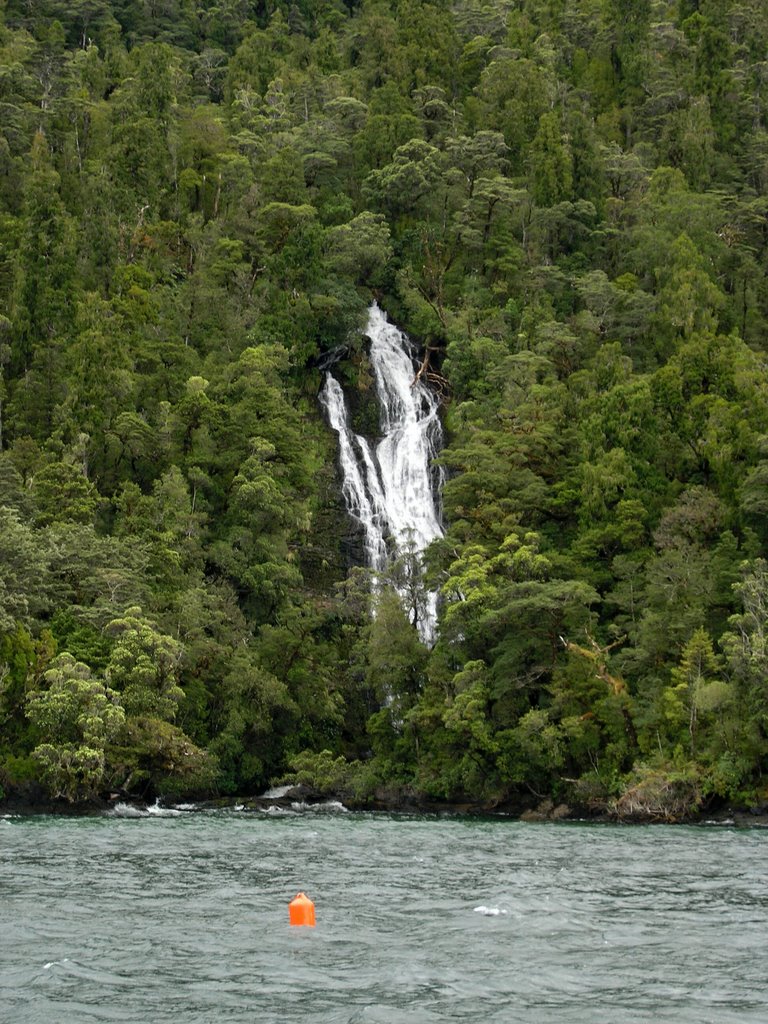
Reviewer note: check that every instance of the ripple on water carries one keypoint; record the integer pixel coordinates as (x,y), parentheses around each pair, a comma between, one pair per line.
(182,919)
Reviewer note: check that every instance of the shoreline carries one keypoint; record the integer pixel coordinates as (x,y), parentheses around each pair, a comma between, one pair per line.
(301,798)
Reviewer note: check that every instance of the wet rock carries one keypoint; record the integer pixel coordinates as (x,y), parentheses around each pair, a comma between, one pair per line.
(543,812)
(547,810)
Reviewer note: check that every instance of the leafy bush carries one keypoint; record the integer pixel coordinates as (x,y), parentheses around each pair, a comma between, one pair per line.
(659,794)
(326,773)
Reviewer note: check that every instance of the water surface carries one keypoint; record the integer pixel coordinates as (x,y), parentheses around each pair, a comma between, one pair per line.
(183,918)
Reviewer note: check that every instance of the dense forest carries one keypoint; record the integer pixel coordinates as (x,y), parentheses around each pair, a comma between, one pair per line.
(565,204)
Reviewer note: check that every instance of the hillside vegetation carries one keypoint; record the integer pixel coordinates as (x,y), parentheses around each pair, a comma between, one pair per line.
(566,206)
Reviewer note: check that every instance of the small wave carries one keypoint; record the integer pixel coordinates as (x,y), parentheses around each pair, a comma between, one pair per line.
(278,812)
(55,963)
(121,810)
(276,792)
(187,807)
(300,807)
(332,806)
(156,810)
(489,911)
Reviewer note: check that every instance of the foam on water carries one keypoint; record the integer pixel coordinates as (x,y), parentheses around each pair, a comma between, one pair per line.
(184,921)
(275,811)
(155,810)
(123,810)
(327,806)
(276,792)
(299,807)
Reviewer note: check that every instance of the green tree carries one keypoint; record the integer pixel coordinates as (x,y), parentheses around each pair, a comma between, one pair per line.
(361,248)
(25,581)
(61,493)
(144,667)
(745,644)
(695,688)
(551,163)
(628,25)
(44,283)
(77,716)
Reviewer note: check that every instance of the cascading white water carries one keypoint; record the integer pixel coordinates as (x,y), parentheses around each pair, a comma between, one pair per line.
(360,486)
(389,490)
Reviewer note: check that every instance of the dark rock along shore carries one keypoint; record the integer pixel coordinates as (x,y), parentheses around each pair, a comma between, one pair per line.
(33,801)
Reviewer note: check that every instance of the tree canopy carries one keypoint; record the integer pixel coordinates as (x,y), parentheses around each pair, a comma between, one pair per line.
(564,204)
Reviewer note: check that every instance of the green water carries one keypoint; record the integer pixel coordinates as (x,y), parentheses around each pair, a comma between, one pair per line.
(184,919)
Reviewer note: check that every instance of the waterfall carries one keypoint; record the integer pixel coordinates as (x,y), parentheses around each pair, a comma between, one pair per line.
(390,489)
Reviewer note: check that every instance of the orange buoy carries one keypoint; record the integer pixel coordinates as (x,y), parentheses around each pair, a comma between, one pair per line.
(301,911)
